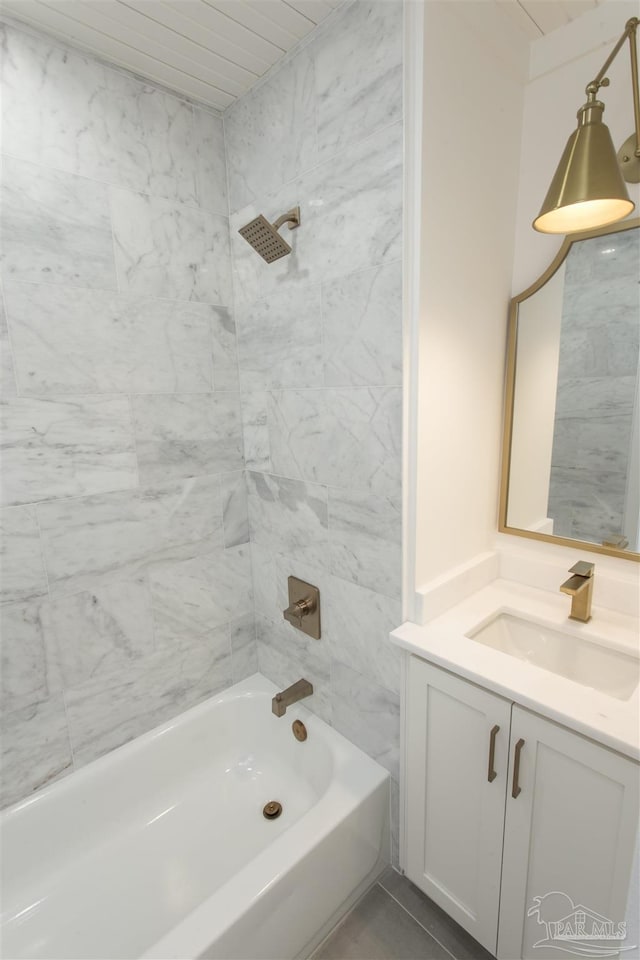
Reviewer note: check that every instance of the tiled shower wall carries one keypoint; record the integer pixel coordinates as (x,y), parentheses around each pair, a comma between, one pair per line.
(320,356)
(597,383)
(126,570)
(126,566)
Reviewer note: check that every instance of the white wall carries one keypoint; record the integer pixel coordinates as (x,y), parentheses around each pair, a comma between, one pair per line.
(474,60)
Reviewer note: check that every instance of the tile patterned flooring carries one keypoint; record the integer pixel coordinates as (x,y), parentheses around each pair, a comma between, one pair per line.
(396,921)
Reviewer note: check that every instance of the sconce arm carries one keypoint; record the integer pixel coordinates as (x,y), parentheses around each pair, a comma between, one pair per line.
(630,33)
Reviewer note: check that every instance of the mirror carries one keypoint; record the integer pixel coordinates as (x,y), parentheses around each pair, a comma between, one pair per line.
(571,451)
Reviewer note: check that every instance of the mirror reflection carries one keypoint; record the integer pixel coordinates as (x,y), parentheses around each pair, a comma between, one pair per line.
(573,467)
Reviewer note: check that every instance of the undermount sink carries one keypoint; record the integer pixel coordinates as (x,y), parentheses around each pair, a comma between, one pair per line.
(575,658)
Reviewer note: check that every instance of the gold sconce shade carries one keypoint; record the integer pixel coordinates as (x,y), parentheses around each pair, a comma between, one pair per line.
(587,189)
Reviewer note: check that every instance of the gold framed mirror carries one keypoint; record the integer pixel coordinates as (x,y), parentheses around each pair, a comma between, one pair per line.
(571,444)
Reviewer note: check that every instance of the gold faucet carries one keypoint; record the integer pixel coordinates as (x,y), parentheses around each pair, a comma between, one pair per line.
(297,691)
(580,588)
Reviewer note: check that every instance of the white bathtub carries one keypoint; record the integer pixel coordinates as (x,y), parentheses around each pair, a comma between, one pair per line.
(160,849)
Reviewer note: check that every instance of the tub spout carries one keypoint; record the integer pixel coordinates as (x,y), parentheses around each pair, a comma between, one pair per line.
(297,691)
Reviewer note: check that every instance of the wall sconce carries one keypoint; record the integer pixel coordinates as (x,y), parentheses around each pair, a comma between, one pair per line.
(588,188)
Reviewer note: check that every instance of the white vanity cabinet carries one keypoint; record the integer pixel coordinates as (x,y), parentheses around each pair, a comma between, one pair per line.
(546,811)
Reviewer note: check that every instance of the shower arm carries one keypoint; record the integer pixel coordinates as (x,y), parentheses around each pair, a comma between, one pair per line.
(292,217)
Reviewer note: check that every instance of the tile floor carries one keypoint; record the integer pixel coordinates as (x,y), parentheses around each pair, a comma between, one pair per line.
(396,921)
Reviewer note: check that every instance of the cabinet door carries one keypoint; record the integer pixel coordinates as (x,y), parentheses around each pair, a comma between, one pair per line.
(455,800)
(569,842)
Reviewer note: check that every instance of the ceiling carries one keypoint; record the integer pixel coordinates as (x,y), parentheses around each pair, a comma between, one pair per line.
(215,50)
(210,50)
(537,17)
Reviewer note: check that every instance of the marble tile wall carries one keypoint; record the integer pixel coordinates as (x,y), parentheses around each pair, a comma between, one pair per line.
(126,566)
(597,383)
(320,357)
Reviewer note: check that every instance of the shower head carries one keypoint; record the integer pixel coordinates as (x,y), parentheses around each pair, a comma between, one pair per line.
(264,237)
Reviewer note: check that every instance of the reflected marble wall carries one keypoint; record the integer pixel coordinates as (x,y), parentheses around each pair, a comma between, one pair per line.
(126,572)
(597,383)
(320,357)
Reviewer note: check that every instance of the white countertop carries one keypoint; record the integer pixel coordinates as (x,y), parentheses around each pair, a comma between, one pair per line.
(614,723)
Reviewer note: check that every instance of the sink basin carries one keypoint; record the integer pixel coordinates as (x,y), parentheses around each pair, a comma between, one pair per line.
(575,658)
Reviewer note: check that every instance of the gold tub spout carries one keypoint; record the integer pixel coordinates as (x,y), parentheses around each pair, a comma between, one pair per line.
(297,691)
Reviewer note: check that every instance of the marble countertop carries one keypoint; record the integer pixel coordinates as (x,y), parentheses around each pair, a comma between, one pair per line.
(612,722)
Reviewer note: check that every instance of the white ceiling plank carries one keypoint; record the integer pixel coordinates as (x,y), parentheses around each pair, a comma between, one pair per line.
(315,10)
(127,25)
(161,22)
(575,8)
(286,17)
(548,14)
(253,19)
(521,18)
(203,14)
(43,17)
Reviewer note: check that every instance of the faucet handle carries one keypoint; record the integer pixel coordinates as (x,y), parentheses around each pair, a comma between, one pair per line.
(299,609)
(583,568)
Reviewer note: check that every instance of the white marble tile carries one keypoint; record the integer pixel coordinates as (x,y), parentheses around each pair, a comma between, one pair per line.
(99,633)
(286,655)
(351,209)
(357,623)
(7,372)
(358,72)
(7,369)
(289,517)
(351,220)
(193,596)
(244,647)
(271,132)
(255,431)
(253,279)
(71,340)
(366,540)
(362,328)
(29,668)
(599,444)
(35,749)
(265,588)
(57,448)
(225,354)
(3,317)
(367,714)
(211,165)
(56,227)
(280,340)
(187,435)
(71,112)
(23,576)
(347,437)
(177,676)
(96,540)
(235,516)
(170,250)
(580,398)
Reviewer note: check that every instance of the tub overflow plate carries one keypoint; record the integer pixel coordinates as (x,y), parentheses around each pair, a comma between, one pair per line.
(272,810)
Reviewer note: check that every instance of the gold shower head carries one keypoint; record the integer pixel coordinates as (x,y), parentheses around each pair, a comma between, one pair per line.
(264,237)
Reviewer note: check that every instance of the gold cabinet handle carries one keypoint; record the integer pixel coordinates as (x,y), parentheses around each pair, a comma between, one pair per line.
(516,790)
(492,774)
